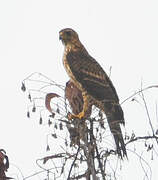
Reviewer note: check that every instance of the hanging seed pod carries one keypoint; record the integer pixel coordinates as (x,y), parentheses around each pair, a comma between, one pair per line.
(34,108)
(55,126)
(48,148)
(150,147)
(62,169)
(132,136)
(29,97)
(23,88)
(66,144)
(145,144)
(52,115)
(28,114)
(40,120)
(49,122)
(58,110)
(54,135)
(61,126)
(127,137)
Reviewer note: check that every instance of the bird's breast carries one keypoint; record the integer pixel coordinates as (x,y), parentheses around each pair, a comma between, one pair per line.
(69,72)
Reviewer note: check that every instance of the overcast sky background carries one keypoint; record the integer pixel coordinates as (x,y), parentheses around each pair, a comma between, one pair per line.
(121,34)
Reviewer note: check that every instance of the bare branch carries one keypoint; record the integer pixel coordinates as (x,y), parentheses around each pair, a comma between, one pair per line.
(68,178)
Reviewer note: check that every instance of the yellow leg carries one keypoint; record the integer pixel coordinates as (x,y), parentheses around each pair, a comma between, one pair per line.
(81,115)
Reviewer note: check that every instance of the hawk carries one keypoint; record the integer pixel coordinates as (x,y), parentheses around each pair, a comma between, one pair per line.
(96,87)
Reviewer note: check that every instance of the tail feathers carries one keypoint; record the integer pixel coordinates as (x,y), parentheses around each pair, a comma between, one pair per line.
(117,113)
(119,141)
(114,118)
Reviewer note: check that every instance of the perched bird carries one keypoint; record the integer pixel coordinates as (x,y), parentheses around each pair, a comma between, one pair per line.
(96,87)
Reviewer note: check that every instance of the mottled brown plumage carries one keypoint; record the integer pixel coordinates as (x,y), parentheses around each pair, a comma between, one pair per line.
(75,99)
(96,87)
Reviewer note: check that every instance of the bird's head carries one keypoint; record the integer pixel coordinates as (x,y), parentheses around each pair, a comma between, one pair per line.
(68,36)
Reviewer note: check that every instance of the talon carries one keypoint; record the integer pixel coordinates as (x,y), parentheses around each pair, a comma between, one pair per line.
(80,115)
(71,116)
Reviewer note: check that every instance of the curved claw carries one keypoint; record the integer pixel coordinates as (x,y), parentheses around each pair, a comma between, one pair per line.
(79,116)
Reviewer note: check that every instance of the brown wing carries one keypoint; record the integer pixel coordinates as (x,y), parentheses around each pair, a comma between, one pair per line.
(91,75)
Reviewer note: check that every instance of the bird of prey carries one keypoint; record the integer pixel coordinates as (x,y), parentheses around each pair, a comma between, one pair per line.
(96,87)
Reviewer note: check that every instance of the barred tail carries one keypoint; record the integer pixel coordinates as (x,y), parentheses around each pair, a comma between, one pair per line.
(114,118)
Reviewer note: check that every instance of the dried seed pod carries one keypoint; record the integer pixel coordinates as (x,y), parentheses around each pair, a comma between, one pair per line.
(61,126)
(40,120)
(127,137)
(58,111)
(55,126)
(23,88)
(28,114)
(29,97)
(52,115)
(48,148)
(145,144)
(49,122)
(34,108)
(132,136)
(66,144)
(150,147)
(54,135)
(133,99)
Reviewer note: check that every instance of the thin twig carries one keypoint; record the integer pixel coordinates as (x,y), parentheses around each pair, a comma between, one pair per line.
(100,164)
(39,172)
(142,137)
(142,159)
(98,158)
(149,87)
(68,178)
(147,111)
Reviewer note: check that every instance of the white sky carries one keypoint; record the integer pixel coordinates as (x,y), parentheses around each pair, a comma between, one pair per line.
(121,34)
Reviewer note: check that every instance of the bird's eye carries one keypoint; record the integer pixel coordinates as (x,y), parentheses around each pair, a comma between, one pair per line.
(68,33)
